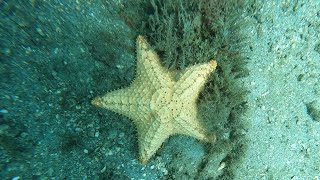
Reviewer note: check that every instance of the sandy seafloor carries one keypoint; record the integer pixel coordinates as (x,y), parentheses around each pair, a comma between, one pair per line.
(45,108)
(284,77)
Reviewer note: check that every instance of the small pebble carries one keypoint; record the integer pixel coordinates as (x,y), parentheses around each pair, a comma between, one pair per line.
(3,111)
(121,134)
(96,134)
(313,109)
(103,169)
(110,153)
(164,170)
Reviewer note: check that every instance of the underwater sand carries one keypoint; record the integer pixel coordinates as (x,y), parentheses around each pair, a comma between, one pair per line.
(51,52)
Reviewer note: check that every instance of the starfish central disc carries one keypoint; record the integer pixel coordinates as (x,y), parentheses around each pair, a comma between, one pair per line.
(161,103)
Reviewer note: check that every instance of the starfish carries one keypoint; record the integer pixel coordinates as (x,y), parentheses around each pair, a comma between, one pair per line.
(158,104)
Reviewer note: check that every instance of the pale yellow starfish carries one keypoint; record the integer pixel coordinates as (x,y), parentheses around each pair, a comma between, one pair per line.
(159,105)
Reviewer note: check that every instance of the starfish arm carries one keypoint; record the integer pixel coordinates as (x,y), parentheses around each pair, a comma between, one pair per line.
(149,68)
(188,124)
(193,79)
(122,101)
(151,135)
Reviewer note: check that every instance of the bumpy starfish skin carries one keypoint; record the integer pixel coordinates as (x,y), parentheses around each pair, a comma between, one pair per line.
(158,105)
